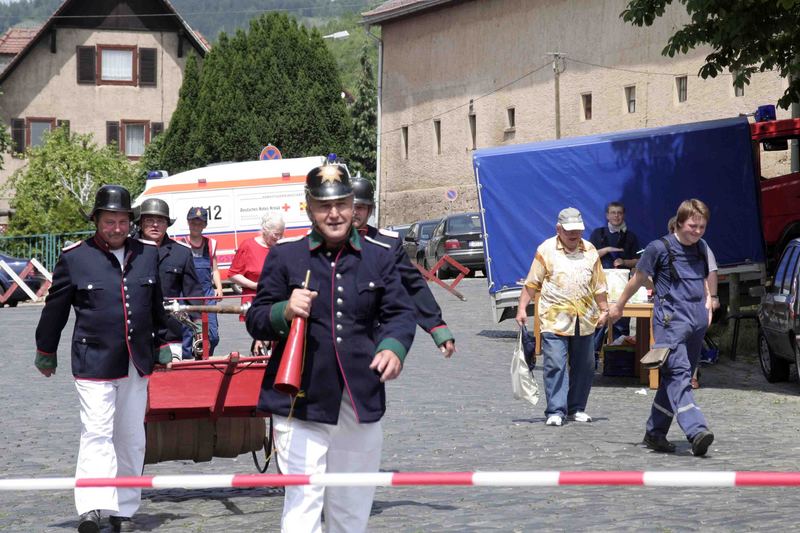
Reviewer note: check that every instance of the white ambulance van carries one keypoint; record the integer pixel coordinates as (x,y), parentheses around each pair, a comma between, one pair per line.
(236,196)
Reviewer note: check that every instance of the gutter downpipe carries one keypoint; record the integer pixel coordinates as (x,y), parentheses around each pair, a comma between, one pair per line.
(378,129)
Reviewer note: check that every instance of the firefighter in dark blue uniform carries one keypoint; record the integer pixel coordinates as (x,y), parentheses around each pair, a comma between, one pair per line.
(678,266)
(334,424)
(176,271)
(111,281)
(428,314)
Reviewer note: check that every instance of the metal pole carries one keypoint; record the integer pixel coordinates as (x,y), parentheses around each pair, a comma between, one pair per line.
(378,130)
(557,56)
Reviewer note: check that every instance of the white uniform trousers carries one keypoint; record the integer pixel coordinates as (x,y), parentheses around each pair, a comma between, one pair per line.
(314,448)
(112,440)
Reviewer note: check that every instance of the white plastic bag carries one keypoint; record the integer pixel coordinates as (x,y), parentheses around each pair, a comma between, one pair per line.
(523,384)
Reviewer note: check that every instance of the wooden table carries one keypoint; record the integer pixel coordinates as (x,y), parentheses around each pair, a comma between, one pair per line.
(643,313)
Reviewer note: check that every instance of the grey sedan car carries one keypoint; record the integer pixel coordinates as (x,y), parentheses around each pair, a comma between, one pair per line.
(779,317)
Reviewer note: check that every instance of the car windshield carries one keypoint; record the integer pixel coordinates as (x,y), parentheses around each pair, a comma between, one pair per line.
(464,224)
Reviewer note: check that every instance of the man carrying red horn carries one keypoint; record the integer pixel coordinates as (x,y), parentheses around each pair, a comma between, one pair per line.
(334,423)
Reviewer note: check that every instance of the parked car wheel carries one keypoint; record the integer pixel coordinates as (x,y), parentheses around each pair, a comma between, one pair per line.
(797,360)
(774,368)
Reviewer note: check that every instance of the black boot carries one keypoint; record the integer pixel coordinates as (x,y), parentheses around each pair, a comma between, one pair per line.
(89,522)
(658,443)
(121,523)
(701,442)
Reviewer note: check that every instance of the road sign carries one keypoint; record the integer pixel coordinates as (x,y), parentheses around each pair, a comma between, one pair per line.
(451,195)
(270,152)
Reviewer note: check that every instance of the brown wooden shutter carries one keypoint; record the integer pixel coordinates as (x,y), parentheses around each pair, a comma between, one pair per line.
(86,64)
(63,124)
(156,128)
(18,134)
(147,66)
(112,133)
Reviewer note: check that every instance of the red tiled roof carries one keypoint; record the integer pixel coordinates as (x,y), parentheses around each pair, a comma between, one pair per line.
(14,40)
(399,8)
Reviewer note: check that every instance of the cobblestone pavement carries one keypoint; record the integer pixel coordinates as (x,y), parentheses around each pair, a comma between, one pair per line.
(442,416)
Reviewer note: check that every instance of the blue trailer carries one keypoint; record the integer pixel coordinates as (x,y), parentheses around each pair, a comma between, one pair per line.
(521,189)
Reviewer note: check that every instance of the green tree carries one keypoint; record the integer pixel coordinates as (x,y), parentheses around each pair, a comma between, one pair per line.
(746,37)
(365,119)
(60,181)
(276,83)
(175,152)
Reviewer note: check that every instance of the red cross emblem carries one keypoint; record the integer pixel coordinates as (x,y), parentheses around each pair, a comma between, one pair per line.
(286,207)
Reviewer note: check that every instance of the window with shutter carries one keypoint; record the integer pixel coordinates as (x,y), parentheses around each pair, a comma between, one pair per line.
(112,133)
(156,128)
(147,66)
(134,136)
(86,64)
(117,64)
(37,128)
(18,134)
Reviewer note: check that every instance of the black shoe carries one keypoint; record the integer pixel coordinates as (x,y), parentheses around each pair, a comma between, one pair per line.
(89,522)
(121,523)
(701,442)
(659,444)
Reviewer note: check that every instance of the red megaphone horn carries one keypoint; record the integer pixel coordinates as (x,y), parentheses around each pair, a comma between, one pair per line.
(290,369)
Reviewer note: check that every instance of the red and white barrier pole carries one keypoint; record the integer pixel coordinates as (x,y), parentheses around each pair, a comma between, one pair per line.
(395,479)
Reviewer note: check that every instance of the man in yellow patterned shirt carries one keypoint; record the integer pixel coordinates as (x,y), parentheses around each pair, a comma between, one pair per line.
(568,275)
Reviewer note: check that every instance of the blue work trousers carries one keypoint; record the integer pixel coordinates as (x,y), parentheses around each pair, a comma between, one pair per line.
(567,391)
(674,398)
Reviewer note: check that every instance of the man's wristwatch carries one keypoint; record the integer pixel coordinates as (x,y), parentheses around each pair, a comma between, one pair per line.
(714,296)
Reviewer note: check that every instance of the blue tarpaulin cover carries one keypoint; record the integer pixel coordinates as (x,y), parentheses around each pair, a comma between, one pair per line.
(521,189)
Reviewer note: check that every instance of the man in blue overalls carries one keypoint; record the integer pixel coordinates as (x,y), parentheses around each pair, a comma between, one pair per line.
(204,253)
(678,267)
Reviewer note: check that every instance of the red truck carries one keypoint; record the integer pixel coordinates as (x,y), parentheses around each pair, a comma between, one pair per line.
(780,196)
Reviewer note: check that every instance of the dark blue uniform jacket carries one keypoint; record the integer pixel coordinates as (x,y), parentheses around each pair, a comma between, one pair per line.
(118,312)
(178,278)
(358,286)
(428,314)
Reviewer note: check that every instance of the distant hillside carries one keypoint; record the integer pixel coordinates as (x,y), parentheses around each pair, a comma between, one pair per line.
(208,16)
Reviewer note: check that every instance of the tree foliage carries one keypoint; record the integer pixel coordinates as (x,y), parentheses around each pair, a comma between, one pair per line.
(365,119)
(276,83)
(64,167)
(747,36)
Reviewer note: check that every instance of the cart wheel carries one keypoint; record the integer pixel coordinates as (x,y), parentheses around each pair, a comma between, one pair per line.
(267,451)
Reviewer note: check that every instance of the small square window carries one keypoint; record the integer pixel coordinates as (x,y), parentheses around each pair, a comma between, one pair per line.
(681,83)
(511,117)
(117,65)
(38,129)
(630,98)
(586,104)
(737,91)
(134,140)
(473,130)
(135,135)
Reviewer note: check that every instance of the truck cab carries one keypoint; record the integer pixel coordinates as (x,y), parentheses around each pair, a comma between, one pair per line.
(780,208)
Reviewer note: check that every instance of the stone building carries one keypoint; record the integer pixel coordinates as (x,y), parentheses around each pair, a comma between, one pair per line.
(457,75)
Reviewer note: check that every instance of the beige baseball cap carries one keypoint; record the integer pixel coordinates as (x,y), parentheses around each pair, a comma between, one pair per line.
(570,219)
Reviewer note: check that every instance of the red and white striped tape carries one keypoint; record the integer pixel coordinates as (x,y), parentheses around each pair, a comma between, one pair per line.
(395,479)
